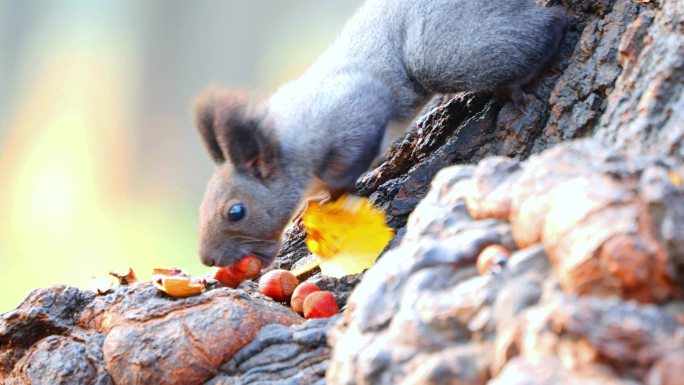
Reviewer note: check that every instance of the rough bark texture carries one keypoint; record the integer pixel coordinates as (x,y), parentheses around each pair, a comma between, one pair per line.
(134,335)
(645,111)
(592,292)
(587,242)
(281,355)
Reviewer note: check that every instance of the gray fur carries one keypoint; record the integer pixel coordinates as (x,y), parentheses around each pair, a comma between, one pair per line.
(389,59)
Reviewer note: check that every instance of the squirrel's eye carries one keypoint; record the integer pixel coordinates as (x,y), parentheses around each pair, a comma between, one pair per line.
(235,212)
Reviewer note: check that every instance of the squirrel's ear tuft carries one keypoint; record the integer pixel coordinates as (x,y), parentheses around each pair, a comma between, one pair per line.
(205,112)
(234,128)
(252,145)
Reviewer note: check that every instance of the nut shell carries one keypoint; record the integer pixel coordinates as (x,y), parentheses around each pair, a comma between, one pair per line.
(278,284)
(299,295)
(178,286)
(125,279)
(320,304)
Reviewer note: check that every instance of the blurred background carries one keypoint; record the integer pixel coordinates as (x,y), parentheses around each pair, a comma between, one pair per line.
(100,166)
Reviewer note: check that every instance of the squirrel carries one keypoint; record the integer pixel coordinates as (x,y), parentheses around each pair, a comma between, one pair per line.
(326,127)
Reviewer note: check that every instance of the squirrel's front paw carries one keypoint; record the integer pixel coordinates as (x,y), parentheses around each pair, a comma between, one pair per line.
(322,197)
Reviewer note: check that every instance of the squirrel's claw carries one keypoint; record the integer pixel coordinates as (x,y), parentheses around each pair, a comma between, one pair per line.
(320,199)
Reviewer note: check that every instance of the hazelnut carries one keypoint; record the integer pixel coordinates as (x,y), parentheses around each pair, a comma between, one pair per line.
(278,284)
(320,304)
(246,268)
(299,295)
(249,267)
(226,276)
(492,258)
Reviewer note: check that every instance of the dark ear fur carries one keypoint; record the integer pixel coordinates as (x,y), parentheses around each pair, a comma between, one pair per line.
(205,116)
(252,147)
(233,128)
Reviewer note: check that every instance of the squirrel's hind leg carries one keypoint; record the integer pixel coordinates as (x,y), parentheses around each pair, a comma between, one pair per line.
(513,92)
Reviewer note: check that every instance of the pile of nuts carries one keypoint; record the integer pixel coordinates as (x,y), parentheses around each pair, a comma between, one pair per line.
(305,298)
(282,286)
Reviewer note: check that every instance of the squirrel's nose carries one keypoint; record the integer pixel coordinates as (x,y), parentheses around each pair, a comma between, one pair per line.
(206,258)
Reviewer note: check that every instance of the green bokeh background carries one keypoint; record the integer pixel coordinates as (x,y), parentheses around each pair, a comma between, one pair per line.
(100,167)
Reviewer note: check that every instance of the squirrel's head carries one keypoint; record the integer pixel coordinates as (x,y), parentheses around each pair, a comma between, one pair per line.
(248,201)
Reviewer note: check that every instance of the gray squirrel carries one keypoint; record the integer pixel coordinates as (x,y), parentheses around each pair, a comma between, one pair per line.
(325,128)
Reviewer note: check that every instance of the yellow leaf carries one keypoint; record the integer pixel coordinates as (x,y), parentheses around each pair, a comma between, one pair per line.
(348,235)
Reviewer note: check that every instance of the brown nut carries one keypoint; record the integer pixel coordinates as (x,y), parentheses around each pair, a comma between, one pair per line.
(249,267)
(278,284)
(320,304)
(246,268)
(492,259)
(226,277)
(299,295)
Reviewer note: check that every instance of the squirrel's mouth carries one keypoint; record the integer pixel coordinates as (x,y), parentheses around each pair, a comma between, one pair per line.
(266,254)
(228,253)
